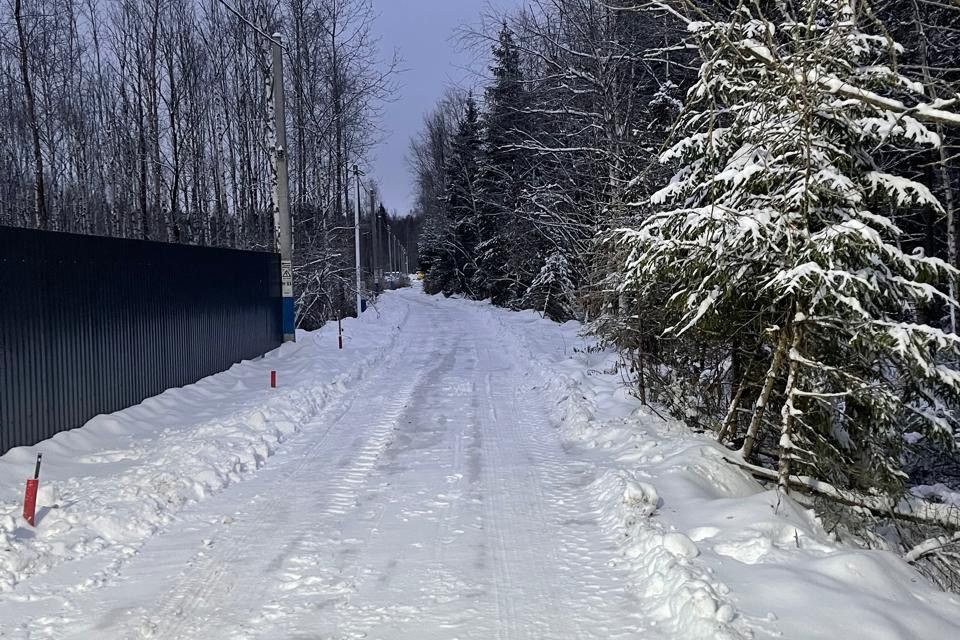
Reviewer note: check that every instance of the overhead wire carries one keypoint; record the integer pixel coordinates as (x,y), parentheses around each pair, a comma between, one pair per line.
(251,25)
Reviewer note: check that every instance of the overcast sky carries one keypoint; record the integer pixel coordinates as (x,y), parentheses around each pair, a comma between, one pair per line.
(424,31)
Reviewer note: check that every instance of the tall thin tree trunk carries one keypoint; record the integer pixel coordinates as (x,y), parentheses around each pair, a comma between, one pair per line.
(41,219)
(729,421)
(788,418)
(761,404)
(943,170)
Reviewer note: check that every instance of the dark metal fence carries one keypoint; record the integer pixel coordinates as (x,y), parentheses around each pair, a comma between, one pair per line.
(91,325)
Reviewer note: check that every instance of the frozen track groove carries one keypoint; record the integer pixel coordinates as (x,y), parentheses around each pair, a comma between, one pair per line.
(432,500)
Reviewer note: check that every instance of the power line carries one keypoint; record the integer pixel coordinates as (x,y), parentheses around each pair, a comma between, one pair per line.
(251,25)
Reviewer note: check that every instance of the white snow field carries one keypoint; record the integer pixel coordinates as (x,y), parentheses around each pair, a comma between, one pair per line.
(458,471)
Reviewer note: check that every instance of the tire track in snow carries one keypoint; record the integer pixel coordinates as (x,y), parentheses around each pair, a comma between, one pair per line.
(676,596)
(528,564)
(209,586)
(571,572)
(440,504)
(356,447)
(212,582)
(419,580)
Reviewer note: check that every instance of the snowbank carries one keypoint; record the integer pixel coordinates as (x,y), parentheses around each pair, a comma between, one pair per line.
(714,554)
(118,479)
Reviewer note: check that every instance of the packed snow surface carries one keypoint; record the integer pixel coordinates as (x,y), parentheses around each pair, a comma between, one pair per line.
(457,471)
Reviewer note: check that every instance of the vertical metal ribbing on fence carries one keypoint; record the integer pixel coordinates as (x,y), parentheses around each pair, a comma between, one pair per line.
(91,325)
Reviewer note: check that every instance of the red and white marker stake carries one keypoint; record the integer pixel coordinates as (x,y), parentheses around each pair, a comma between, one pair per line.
(30,495)
(273,379)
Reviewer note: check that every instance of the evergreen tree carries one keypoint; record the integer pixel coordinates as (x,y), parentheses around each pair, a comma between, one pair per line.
(461,199)
(776,215)
(436,257)
(503,167)
(552,292)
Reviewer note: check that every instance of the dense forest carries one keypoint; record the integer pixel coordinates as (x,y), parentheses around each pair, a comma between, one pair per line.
(755,202)
(152,119)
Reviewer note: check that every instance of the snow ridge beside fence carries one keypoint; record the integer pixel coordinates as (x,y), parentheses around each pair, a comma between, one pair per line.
(111,485)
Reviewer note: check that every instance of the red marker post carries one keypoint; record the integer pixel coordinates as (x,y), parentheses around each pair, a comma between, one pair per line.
(340,331)
(30,495)
(273,379)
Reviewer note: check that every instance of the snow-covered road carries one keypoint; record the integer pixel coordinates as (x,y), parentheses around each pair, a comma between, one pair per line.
(430,502)
(447,476)
(434,500)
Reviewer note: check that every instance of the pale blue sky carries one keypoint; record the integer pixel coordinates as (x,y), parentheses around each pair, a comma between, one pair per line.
(424,31)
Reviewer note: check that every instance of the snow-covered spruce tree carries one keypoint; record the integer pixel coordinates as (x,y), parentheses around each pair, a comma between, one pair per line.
(552,292)
(429,155)
(781,213)
(503,167)
(461,199)
(435,249)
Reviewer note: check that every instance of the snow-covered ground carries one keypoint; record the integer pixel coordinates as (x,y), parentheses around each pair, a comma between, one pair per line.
(458,471)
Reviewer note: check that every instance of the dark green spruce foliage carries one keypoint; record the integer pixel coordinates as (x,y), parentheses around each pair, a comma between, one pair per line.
(503,166)
(462,200)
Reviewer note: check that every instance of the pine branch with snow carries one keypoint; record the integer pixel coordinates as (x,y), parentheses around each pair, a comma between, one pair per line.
(781,212)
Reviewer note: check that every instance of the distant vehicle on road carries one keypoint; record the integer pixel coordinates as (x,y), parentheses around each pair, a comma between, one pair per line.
(395,280)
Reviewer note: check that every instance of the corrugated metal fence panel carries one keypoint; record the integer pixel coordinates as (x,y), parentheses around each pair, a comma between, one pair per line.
(91,325)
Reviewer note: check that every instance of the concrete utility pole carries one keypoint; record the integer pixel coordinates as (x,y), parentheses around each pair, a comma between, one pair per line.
(284,235)
(283,232)
(389,249)
(381,228)
(375,240)
(356,239)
